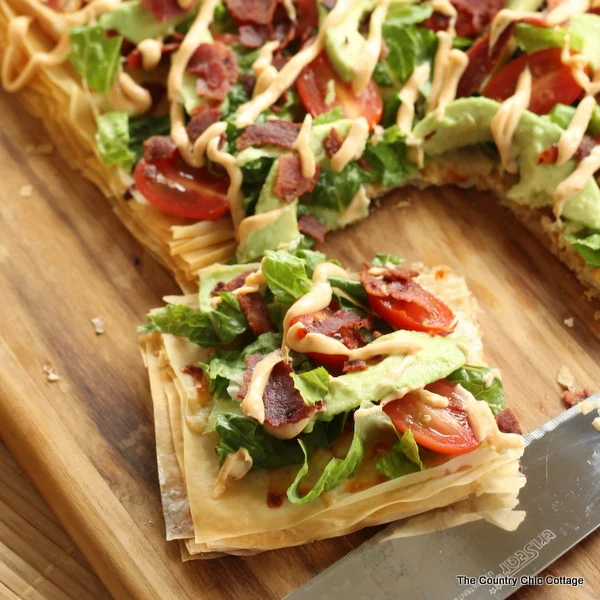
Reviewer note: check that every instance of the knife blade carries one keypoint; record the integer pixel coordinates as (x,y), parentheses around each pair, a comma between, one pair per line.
(478,560)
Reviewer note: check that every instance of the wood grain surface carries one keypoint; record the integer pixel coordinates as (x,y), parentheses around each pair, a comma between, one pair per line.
(86,441)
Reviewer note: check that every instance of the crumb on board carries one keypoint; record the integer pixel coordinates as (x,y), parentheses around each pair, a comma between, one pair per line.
(51,374)
(26,191)
(39,148)
(565,378)
(403,204)
(596,423)
(98,324)
(571,398)
(569,322)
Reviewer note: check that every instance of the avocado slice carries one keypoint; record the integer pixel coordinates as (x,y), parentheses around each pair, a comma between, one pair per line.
(281,231)
(136,24)
(439,357)
(467,121)
(587,27)
(210,276)
(344,43)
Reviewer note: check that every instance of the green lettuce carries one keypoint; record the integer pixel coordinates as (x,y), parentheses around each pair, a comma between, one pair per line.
(313,385)
(408,46)
(381,259)
(389,158)
(286,275)
(335,114)
(142,128)
(95,56)
(530,38)
(401,15)
(471,378)
(561,114)
(207,329)
(354,289)
(112,140)
(402,459)
(588,247)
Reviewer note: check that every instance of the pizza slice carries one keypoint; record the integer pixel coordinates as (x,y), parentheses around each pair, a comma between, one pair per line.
(296,400)
(216,129)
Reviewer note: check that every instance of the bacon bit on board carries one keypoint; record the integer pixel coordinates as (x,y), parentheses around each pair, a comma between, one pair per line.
(571,398)
(508,423)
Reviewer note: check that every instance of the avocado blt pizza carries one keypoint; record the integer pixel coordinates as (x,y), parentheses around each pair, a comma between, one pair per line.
(296,400)
(222,127)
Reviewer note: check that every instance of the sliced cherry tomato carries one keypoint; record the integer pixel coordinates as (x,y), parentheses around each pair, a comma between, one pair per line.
(313,89)
(178,189)
(334,363)
(429,314)
(552,82)
(444,430)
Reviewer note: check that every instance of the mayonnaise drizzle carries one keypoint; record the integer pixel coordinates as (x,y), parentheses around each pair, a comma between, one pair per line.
(565,10)
(576,62)
(151,52)
(352,145)
(445,8)
(263,70)
(408,96)
(371,50)
(127,95)
(576,181)
(302,146)
(571,138)
(236,465)
(253,404)
(505,121)
(248,113)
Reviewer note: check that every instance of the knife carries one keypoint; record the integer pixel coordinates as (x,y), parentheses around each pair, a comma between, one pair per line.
(478,560)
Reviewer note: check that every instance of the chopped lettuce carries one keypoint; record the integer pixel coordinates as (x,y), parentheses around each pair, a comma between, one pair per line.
(95,56)
(530,38)
(142,128)
(402,459)
(113,139)
(353,288)
(408,46)
(588,247)
(561,114)
(400,15)
(207,329)
(286,275)
(389,158)
(313,385)
(381,259)
(335,114)
(472,379)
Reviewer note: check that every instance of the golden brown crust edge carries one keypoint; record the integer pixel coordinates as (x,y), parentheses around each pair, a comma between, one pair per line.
(76,144)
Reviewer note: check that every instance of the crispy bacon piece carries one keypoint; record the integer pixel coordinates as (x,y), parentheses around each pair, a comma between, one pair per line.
(290,182)
(473,17)
(352,366)
(340,324)
(308,224)
(272,133)
(255,310)
(283,402)
(254,36)
(216,68)
(332,142)
(508,423)
(204,116)
(134,58)
(259,12)
(572,398)
(549,155)
(197,374)
(234,284)
(163,10)
(159,147)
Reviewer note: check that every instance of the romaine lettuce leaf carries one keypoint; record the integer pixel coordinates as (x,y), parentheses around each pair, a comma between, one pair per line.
(142,128)
(562,115)
(389,158)
(313,385)
(408,46)
(471,378)
(113,139)
(95,56)
(228,319)
(286,275)
(588,247)
(402,459)
(530,38)
(354,289)
(381,259)
(401,15)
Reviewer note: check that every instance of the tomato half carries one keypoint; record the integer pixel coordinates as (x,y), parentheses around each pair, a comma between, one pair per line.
(443,430)
(429,314)
(313,89)
(178,189)
(334,363)
(552,82)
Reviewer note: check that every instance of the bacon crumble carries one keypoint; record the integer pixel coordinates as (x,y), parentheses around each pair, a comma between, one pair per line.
(216,67)
(202,118)
(508,423)
(332,142)
(159,147)
(259,12)
(309,225)
(255,310)
(272,133)
(290,182)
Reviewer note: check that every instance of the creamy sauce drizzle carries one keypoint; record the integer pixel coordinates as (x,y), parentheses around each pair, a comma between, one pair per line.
(235,466)
(151,52)
(263,70)
(505,121)
(352,145)
(576,181)
(302,146)
(371,49)
(445,8)
(408,96)
(127,95)
(571,138)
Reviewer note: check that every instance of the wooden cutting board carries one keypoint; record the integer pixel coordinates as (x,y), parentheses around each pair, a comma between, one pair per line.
(87,440)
